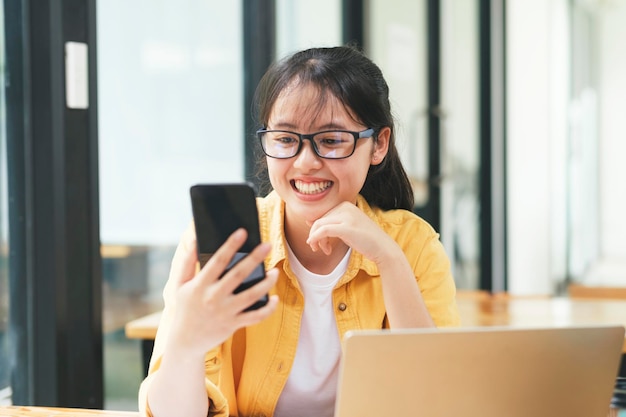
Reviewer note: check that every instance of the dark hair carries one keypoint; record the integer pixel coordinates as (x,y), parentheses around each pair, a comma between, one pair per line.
(347,74)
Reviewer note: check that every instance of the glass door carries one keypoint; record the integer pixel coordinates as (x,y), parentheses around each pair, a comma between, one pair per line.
(459,139)
(396,40)
(428,51)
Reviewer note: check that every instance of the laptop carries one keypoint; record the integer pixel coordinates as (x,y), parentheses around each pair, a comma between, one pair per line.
(479,372)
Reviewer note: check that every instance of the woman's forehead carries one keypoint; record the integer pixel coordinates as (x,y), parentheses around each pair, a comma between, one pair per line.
(308,105)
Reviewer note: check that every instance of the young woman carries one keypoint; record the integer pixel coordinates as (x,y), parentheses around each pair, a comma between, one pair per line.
(346,253)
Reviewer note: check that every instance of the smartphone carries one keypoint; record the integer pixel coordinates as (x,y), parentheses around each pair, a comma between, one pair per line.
(219,210)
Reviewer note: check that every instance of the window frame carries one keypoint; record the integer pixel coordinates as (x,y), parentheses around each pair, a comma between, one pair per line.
(55,275)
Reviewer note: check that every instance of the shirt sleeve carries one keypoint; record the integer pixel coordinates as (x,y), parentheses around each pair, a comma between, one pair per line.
(434,277)
(427,257)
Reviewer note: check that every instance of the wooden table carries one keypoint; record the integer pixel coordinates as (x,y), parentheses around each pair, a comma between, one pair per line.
(19,411)
(487,311)
(476,311)
(541,311)
(144,329)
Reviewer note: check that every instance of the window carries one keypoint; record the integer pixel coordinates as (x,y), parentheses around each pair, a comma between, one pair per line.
(169,85)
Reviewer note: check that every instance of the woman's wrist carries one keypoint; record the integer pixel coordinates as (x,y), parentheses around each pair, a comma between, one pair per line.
(392,257)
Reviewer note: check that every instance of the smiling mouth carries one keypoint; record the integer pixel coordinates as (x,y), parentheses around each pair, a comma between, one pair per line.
(311,187)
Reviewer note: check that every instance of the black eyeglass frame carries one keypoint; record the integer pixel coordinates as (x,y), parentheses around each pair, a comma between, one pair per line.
(364,134)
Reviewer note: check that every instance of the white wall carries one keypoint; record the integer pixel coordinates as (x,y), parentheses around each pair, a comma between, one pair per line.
(566,170)
(611,268)
(535,95)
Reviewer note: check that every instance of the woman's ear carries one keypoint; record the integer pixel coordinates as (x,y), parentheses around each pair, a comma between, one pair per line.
(381,145)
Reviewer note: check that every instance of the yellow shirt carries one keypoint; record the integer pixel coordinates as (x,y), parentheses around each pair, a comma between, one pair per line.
(246,374)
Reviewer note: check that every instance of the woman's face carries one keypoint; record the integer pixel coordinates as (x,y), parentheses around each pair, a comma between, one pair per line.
(310,185)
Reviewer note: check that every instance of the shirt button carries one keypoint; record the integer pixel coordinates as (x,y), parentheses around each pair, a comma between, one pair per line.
(342,306)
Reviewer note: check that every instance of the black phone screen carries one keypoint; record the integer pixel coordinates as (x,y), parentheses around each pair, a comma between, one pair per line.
(219,210)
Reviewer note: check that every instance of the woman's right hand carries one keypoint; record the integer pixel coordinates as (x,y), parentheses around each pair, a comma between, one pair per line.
(202,313)
(207,312)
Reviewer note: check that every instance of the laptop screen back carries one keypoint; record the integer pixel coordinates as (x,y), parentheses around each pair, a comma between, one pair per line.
(479,372)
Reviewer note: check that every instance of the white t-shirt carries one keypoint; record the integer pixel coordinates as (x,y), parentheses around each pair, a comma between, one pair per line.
(312,384)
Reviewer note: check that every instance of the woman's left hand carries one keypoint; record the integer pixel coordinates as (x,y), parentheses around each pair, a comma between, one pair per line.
(355,229)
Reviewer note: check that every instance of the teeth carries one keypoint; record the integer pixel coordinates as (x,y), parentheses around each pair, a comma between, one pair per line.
(311,187)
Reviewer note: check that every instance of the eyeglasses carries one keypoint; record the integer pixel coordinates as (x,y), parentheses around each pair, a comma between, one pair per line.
(329,144)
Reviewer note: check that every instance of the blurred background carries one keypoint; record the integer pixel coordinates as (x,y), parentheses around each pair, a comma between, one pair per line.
(510,123)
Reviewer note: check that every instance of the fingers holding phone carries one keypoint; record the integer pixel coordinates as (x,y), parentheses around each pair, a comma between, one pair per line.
(231,276)
(208,310)
(230,288)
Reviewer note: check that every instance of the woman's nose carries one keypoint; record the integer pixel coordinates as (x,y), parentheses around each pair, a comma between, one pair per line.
(307,156)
